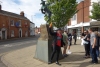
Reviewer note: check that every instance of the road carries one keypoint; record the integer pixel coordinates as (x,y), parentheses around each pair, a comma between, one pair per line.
(11,45)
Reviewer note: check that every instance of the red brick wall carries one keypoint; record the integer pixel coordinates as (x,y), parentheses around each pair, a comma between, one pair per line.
(5,20)
(80,12)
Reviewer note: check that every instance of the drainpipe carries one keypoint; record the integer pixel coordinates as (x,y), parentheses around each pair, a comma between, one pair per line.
(83,18)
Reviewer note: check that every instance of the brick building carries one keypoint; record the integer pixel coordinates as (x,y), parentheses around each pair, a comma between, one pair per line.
(81,21)
(13,25)
(37,30)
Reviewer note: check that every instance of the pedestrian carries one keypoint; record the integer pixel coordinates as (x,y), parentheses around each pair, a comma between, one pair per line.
(82,38)
(57,43)
(75,38)
(87,44)
(97,46)
(69,43)
(93,44)
(65,40)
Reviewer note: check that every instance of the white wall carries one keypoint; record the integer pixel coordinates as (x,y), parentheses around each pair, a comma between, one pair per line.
(74,22)
(32,29)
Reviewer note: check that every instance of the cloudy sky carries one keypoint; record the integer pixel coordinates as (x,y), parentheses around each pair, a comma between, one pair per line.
(30,8)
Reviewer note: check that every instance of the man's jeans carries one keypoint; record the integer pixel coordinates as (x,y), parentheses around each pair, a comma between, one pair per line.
(93,54)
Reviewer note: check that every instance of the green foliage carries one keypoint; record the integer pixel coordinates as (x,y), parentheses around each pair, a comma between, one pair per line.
(62,11)
(95,11)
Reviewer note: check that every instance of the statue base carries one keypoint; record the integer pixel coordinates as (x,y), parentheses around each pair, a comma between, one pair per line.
(44,46)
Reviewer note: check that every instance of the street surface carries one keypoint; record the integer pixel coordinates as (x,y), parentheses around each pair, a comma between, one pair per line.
(11,45)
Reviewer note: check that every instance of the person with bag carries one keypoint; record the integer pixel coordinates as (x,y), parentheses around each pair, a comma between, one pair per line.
(87,44)
(57,43)
(69,43)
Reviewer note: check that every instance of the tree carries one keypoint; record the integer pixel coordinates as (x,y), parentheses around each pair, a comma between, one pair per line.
(62,11)
(95,11)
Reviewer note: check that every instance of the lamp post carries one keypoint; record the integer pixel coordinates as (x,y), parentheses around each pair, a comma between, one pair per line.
(83,16)
(32,17)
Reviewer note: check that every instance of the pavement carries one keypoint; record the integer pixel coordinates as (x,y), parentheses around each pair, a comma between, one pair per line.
(24,58)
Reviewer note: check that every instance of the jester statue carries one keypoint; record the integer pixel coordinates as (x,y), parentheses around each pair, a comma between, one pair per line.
(45,10)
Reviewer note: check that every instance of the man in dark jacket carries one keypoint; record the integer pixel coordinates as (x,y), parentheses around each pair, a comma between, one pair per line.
(57,43)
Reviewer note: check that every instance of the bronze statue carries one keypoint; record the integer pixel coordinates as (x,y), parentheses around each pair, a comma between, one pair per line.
(45,10)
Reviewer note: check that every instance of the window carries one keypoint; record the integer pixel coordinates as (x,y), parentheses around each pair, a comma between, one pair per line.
(12,22)
(74,17)
(12,33)
(25,23)
(19,22)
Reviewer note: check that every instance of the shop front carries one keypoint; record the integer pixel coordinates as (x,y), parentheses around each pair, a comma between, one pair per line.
(78,28)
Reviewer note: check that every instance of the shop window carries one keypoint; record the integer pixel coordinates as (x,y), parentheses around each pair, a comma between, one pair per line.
(12,33)
(12,22)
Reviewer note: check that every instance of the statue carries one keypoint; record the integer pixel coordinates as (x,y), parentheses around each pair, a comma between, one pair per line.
(45,10)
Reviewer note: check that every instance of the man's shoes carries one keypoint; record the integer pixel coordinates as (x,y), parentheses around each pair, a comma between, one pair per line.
(86,57)
(58,63)
(49,62)
(65,55)
(93,62)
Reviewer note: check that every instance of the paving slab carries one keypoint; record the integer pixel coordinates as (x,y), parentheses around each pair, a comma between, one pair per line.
(25,58)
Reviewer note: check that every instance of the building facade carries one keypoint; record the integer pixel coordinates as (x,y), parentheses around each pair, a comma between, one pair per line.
(13,25)
(81,21)
(37,30)
(32,29)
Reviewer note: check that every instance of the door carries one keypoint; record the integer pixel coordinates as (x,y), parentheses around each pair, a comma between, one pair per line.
(20,33)
(3,35)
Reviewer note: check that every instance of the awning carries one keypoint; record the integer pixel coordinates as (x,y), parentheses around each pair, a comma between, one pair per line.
(79,25)
(95,24)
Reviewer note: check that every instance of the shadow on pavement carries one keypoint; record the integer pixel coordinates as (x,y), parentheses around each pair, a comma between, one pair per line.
(72,58)
(77,60)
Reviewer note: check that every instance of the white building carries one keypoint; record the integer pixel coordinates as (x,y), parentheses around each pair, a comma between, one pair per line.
(81,21)
(32,29)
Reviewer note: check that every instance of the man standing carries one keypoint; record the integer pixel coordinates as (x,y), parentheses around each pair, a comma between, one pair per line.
(75,38)
(93,46)
(65,40)
(57,43)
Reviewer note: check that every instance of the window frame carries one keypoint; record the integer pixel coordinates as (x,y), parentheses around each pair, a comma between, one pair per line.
(12,33)
(11,22)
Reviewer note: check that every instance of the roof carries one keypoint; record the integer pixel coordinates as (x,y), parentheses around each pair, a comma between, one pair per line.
(32,22)
(12,14)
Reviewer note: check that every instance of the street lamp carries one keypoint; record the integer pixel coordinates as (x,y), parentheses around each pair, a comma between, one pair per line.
(32,17)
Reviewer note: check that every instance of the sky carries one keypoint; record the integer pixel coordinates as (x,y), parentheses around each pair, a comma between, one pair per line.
(30,8)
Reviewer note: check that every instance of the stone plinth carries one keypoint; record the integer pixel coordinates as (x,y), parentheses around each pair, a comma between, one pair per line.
(44,46)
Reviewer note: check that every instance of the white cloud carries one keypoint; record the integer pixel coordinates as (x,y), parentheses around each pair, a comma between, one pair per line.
(30,7)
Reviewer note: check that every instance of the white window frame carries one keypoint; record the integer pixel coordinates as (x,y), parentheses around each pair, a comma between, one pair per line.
(19,23)
(12,22)
(26,23)
(74,18)
(12,33)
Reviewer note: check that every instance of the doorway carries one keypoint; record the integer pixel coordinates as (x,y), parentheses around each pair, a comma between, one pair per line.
(3,35)
(20,32)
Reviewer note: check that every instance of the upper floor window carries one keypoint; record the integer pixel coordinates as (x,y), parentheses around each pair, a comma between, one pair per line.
(19,22)
(26,23)
(12,22)
(74,17)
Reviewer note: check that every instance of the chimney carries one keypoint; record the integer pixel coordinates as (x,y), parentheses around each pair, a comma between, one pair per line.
(0,7)
(22,13)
